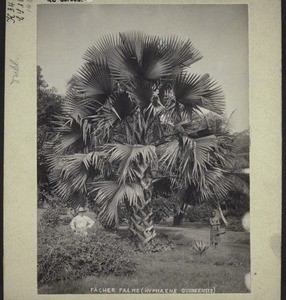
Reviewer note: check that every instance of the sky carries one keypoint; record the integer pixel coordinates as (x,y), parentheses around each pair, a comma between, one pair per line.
(219,32)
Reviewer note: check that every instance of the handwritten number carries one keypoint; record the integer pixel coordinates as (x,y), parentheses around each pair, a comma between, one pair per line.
(10,18)
(20,18)
(14,13)
(29,7)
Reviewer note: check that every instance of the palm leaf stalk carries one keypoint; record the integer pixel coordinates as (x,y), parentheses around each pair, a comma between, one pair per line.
(126,112)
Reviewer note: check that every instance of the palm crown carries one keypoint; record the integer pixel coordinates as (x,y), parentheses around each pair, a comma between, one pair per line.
(129,117)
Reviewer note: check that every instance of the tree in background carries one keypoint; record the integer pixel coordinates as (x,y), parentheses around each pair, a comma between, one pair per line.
(127,121)
(235,149)
(48,105)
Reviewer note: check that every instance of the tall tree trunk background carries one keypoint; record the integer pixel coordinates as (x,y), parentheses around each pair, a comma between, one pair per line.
(179,216)
(178,219)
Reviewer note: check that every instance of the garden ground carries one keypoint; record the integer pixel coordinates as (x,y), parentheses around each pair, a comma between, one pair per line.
(223,269)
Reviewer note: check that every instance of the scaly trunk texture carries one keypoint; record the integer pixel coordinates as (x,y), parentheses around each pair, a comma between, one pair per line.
(142,223)
(142,216)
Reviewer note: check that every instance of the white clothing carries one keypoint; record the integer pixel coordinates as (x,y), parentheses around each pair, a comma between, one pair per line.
(80,224)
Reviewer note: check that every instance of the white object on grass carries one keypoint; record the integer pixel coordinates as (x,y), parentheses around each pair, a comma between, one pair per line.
(247,281)
(246,222)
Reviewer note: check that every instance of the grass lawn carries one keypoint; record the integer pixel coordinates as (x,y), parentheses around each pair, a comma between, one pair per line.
(223,269)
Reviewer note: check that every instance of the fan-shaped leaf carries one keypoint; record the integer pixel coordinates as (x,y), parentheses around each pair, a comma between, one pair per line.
(69,173)
(94,82)
(109,194)
(181,53)
(195,91)
(189,156)
(139,56)
(131,158)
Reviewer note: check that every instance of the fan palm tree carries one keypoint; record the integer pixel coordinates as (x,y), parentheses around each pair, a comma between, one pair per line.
(124,126)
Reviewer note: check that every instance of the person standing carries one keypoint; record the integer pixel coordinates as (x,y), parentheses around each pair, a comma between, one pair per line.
(215,230)
(81,223)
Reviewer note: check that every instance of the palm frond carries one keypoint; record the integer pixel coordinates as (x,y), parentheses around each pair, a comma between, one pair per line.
(131,158)
(189,156)
(169,154)
(74,104)
(216,185)
(110,194)
(139,56)
(105,120)
(181,53)
(239,184)
(103,49)
(195,91)
(82,97)
(176,113)
(95,82)
(69,173)
(142,92)
(70,135)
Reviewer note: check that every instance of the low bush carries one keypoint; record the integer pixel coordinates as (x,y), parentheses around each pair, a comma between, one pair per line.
(234,224)
(51,217)
(162,208)
(63,255)
(199,213)
(55,214)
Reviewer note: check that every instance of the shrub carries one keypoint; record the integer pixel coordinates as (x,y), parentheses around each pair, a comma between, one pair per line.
(55,214)
(51,217)
(199,213)
(162,208)
(65,256)
(234,224)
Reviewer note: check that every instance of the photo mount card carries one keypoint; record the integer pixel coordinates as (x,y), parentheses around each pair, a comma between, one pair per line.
(229,48)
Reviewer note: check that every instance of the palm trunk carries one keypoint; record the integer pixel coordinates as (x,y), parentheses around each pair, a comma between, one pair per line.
(142,216)
(142,223)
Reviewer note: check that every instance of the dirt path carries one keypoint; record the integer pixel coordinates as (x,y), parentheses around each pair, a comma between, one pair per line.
(183,236)
(190,232)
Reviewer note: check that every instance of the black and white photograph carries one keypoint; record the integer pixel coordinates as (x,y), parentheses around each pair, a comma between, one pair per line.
(143,172)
